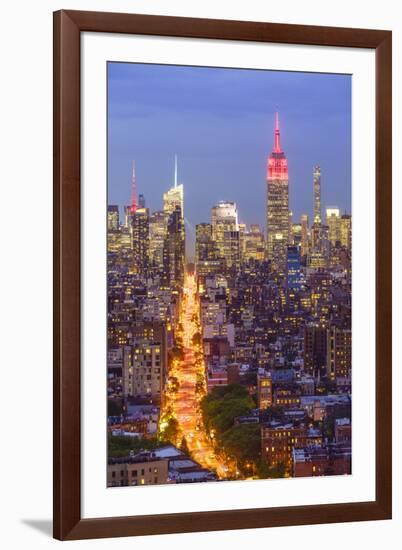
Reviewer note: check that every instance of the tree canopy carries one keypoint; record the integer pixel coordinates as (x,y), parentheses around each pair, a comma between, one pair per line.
(223,404)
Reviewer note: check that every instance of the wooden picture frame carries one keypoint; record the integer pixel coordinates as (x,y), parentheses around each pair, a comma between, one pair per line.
(68,26)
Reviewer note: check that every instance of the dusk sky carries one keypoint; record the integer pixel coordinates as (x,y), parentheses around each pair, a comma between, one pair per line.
(220,123)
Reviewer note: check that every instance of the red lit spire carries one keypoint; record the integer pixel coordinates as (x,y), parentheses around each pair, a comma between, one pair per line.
(133,206)
(277,165)
(277,147)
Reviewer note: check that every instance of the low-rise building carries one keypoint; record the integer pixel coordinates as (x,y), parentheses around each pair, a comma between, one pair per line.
(343,430)
(216,376)
(140,469)
(322,460)
(278,442)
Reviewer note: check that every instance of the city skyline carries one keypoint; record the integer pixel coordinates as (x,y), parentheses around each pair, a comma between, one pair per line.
(232,361)
(152,103)
(277,193)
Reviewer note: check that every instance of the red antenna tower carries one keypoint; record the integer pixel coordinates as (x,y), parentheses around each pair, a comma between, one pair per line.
(277,147)
(133,206)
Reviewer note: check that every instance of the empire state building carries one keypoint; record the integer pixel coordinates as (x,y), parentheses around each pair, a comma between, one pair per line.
(277,205)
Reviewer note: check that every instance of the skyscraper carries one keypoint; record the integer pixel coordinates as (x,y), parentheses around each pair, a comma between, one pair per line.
(157,235)
(131,208)
(296,238)
(346,231)
(140,239)
(317,194)
(319,245)
(173,207)
(113,228)
(277,205)
(304,234)
(174,197)
(226,211)
(204,245)
(133,205)
(113,217)
(173,251)
(225,232)
(253,244)
(334,225)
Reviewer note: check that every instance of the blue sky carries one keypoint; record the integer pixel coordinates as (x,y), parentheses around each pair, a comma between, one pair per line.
(220,124)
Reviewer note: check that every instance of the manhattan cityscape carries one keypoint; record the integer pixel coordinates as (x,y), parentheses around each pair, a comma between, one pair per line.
(229,344)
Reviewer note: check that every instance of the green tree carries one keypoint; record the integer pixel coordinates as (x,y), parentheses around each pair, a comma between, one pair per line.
(243,442)
(170,433)
(223,404)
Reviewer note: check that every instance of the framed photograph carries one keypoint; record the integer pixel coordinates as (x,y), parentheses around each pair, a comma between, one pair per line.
(222,270)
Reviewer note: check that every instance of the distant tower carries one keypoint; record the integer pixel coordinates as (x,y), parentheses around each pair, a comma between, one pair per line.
(317,194)
(173,198)
(140,239)
(133,205)
(304,234)
(277,205)
(174,245)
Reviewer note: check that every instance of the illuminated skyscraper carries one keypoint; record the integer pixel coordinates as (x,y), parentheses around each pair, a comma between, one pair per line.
(296,234)
(173,207)
(139,225)
(131,208)
(224,211)
(317,194)
(346,231)
(277,205)
(204,245)
(319,246)
(225,232)
(254,246)
(174,197)
(173,252)
(113,228)
(133,205)
(157,235)
(112,217)
(334,225)
(304,234)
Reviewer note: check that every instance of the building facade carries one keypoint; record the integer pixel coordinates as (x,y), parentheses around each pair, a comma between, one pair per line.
(277,212)
(317,194)
(137,470)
